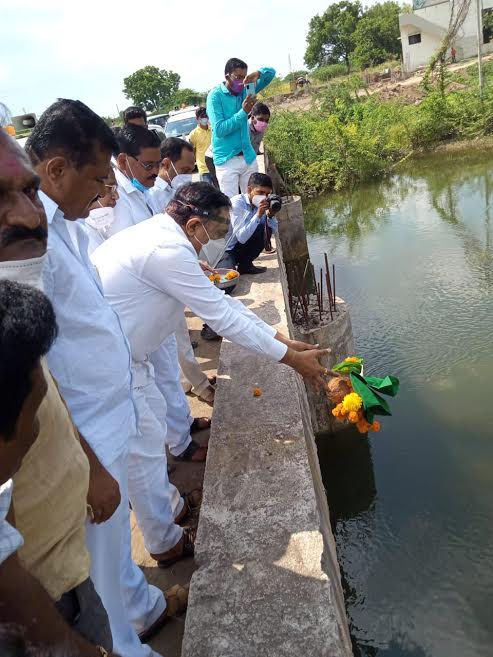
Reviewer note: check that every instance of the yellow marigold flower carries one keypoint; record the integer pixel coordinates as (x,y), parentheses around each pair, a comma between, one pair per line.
(230,275)
(352,359)
(352,402)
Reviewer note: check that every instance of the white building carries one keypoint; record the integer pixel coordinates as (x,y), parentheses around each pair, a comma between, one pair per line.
(423,29)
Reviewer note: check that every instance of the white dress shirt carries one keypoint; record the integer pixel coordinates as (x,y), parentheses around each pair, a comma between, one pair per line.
(10,539)
(90,358)
(150,273)
(131,207)
(160,195)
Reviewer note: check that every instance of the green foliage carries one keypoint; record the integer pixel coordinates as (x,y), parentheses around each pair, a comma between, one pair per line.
(151,87)
(330,37)
(295,75)
(349,140)
(183,97)
(377,35)
(328,72)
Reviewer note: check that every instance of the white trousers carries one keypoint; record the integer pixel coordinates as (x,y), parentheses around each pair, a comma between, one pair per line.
(188,363)
(234,175)
(131,603)
(177,412)
(155,501)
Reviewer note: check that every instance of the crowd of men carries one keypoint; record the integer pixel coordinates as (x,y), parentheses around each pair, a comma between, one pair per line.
(100,236)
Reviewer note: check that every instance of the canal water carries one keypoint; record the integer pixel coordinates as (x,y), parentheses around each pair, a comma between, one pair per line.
(412,507)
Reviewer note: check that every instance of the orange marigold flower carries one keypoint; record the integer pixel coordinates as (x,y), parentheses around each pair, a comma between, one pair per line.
(230,275)
(376,426)
(354,417)
(257,392)
(352,359)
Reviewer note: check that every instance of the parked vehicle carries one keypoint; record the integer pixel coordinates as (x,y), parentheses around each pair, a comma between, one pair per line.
(181,123)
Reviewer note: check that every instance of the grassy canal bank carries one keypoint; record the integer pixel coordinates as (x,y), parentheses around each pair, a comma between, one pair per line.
(347,138)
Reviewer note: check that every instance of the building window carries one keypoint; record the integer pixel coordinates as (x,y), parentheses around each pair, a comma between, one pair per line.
(414,38)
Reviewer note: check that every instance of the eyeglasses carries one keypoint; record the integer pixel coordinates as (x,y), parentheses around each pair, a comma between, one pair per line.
(111,188)
(236,77)
(148,166)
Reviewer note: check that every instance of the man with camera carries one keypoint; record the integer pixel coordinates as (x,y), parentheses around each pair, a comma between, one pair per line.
(252,220)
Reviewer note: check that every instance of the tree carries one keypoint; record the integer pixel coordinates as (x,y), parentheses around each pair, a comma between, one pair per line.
(330,37)
(376,37)
(185,97)
(151,87)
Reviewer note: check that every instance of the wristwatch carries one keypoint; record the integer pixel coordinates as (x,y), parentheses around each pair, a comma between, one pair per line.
(103,651)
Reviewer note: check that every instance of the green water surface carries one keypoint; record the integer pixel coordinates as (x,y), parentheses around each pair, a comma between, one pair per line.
(412,508)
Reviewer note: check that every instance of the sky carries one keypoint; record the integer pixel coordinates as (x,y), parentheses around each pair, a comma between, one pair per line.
(53,49)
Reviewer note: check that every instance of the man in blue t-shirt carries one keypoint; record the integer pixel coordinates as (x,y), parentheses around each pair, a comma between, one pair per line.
(228,108)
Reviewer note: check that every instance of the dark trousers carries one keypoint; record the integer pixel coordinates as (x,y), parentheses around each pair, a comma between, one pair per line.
(84,612)
(245,254)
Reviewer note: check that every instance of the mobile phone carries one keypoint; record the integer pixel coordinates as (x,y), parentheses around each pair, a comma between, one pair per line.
(250,88)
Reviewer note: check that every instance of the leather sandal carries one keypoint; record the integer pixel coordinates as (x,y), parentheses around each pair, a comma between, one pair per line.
(176,604)
(188,548)
(191,507)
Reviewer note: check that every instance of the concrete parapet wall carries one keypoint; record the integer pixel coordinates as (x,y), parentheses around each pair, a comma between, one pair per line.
(268,582)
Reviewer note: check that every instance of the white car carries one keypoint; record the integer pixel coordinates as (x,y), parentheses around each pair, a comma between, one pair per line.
(181,123)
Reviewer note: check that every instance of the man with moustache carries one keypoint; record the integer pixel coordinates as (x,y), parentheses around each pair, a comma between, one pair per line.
(44,565)
(137,167)
(70,148)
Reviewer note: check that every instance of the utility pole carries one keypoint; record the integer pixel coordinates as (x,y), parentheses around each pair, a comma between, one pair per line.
(479,9)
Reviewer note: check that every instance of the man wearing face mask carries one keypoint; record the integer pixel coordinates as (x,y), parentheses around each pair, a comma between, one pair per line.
(259,122)
(251,217)
(176,168)
(228,108)
(150,273)
(101,213)
(200,138)
(71,147)
(50,570)
(137,167)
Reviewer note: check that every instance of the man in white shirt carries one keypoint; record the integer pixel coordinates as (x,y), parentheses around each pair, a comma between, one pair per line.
(137,168)
(177,166)
(71,148)
(151,272)
(137,165)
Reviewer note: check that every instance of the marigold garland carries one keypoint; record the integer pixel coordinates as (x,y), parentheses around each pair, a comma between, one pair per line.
(359,409)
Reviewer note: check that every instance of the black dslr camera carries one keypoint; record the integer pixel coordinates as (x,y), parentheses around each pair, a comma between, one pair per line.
(275,202)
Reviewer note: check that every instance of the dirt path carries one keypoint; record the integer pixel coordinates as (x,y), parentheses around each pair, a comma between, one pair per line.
(409,90)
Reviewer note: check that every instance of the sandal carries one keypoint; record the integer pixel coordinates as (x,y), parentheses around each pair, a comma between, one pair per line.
(188,548)
(200,424)
(176,604)
(194,453)
(191,506)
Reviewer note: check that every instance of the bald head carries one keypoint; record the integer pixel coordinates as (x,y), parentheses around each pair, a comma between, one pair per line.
(23,226)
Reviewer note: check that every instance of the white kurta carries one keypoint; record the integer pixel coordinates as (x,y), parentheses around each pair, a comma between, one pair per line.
(91,363)
(151,272)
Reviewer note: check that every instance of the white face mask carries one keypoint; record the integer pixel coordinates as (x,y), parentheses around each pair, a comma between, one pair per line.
(180,180)
(257,199)
(100,218)
(28,271)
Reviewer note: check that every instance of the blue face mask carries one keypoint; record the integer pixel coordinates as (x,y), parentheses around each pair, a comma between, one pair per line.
(138,185)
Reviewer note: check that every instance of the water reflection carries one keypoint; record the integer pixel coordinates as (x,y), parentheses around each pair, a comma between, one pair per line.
(414,256)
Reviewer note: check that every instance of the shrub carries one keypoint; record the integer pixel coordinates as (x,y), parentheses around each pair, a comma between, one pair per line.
(328,72)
